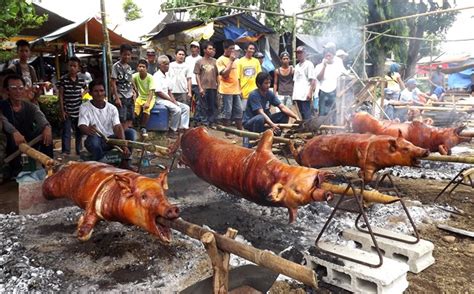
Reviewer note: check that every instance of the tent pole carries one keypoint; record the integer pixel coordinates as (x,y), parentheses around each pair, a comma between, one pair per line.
(293,40)
(107,54)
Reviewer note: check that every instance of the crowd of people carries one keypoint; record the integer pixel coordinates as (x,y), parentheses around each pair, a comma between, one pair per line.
(230,89)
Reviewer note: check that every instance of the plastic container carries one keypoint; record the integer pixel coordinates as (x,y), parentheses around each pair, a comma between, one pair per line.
(158,119)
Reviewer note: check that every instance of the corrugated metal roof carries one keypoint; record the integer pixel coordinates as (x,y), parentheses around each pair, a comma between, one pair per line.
(243,20)
(53,23)
(76,33)
(175,27)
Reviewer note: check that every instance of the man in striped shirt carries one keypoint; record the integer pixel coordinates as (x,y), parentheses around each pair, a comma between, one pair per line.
(70,99)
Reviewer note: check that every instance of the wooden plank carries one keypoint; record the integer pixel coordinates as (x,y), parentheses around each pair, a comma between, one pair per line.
(456,230)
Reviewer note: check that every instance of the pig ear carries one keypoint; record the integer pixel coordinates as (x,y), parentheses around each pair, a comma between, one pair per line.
(125,184)
(392,145)
(400,135)
(277,193)
(266,141)
(163,179)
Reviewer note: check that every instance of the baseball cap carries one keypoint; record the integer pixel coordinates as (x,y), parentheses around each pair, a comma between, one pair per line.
(195,43)
(236,47)
(150,51)
(284,53)
(259,55)
(341,52)
(300,48)
(411,82)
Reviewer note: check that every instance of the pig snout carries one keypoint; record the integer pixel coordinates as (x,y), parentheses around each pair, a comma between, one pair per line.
(172,212)
(322,195)
(168,211)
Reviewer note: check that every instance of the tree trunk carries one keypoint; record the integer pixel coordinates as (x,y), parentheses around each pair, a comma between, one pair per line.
(417,29)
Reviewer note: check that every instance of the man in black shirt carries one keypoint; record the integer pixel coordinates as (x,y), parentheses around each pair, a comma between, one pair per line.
(24,121)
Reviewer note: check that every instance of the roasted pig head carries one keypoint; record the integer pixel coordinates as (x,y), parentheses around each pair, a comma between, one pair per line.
(113,194)
(256,175)
(368,152)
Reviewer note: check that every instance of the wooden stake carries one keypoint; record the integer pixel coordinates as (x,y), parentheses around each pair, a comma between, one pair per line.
(450,158)
(369,196)
(261,257)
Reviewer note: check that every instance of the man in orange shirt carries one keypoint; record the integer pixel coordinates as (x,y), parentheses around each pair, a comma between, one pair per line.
(229,86)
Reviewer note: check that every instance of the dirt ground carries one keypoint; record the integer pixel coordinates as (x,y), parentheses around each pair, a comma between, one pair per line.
(125,258)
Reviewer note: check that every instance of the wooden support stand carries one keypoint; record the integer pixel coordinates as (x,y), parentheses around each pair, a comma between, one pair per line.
(219,260)
(260,257)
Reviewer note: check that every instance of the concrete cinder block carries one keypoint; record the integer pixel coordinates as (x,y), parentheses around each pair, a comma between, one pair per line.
(418,256)
(391,277)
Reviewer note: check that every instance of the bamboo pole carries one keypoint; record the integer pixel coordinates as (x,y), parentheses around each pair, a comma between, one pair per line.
(18,152)
(467,134)
(250,135)
(140,145)
(433,108)
(108,53)
(417,15)
(260,257)
(450,158)
(369,196)
(47,161)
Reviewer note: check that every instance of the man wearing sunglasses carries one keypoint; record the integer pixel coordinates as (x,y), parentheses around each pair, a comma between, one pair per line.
(24,121)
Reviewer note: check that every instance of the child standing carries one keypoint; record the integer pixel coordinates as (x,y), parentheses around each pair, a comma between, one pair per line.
(122,90)
(70,99)
(143,84)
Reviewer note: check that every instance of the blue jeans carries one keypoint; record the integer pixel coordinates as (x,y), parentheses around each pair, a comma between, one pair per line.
(97,146)
(305,109)
(327,102)
(257,123)
(71,124)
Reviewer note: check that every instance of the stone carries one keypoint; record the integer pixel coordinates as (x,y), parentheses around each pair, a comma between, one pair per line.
(449,239)
(470,248)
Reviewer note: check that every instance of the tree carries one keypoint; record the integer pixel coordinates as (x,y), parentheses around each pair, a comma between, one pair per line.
(131,10)
(277,23)
(408,52)
(16,16)
(344,23)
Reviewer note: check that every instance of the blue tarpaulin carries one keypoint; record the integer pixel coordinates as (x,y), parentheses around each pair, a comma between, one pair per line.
(460,80)
(235,33)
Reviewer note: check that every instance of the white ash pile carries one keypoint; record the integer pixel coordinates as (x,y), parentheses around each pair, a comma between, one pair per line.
(18,270)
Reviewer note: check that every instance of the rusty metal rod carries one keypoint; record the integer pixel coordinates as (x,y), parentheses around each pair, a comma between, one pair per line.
(263,258)
(140,145)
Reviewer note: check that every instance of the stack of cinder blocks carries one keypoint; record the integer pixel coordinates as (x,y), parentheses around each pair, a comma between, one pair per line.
(391,277)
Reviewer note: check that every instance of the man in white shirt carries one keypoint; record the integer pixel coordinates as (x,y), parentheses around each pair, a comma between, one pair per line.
(98,114)
(327,73)
(304,83)
(179,112)
(191,62)
(180,76)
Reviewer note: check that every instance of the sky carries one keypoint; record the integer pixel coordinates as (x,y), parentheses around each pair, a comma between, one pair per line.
(79,10)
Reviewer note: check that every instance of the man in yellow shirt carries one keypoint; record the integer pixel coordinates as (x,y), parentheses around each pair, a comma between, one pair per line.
(248,67)
(229,86)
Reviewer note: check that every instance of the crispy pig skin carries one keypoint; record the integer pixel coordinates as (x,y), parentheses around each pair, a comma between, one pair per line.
(368,152)
(420,134)
(113,194)
(256,175)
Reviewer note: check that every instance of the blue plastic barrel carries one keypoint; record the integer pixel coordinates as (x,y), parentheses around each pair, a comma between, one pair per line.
(158,119)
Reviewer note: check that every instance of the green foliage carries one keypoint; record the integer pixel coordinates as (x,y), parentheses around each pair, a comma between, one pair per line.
(131,10)
(278,23)
(6,56)
(16,16)
(49,105)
